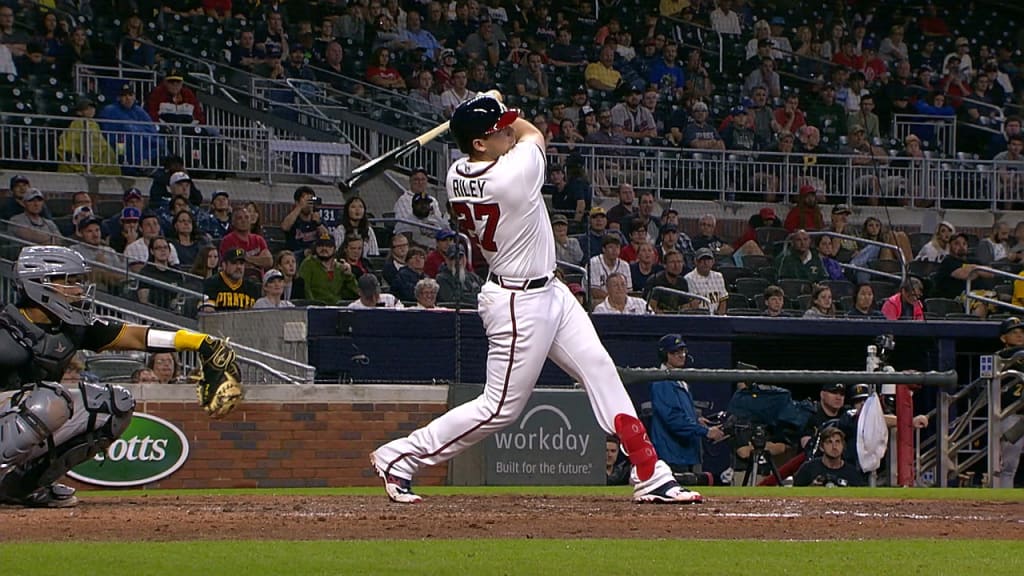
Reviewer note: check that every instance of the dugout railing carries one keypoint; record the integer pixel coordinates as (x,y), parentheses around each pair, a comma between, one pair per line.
(970,294)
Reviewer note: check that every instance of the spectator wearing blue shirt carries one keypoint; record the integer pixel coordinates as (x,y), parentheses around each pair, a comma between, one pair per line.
(676,431)
(130,132)
(414,37)
(667,74)
(699,133)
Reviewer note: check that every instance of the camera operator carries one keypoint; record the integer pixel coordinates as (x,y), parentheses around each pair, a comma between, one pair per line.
(676,430)
(1012,335)
(302,225)
(830,469)
(828,412)
(756,425)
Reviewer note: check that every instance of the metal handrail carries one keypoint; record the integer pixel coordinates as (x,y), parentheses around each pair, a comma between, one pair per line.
(970,295)
(707,30)
(129,275)
(581,270)
(899,253)
(658,289)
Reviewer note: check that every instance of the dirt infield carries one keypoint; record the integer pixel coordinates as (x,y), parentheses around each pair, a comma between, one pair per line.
(171,518)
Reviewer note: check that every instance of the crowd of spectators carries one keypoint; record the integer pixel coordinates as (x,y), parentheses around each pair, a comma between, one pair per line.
(623,78)
(830,68)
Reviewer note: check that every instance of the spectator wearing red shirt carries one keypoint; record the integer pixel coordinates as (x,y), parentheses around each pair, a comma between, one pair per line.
(953,82)
(174,103)
(805,215)
(218,9)
(848,56)
(931,24)
(765,218)
(257,254)
(790,118)
(905,304)
(382,73)
(435,259)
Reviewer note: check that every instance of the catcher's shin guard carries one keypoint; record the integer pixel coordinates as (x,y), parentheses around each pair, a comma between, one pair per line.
(101,414)
(636,444)
(30,420)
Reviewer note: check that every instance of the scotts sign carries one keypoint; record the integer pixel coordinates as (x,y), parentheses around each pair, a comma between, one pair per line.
(152,448)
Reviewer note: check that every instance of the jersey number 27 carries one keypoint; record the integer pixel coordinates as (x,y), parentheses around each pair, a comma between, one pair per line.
(479,221)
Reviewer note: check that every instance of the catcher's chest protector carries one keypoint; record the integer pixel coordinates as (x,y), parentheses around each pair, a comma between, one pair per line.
(50,352)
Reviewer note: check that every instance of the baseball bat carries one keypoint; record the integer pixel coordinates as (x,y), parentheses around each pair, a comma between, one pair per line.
(378,165)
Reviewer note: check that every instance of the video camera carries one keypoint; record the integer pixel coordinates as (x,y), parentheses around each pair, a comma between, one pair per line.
(741,432)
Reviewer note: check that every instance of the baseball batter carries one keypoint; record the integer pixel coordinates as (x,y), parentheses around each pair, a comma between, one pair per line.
(527,313)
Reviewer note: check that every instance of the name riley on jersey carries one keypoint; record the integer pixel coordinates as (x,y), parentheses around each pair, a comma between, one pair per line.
(468,188)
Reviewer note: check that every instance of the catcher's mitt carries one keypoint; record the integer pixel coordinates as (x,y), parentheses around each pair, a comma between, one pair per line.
(217,379)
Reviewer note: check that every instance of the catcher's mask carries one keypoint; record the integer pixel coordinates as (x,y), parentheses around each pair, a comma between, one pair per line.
(54,278)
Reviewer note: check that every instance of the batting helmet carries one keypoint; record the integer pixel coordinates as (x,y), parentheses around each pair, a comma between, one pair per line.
(479,118)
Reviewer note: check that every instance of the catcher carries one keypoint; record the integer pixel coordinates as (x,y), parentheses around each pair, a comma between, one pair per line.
(47,429)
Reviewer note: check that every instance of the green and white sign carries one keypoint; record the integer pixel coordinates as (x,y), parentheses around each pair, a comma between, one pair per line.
(152,448)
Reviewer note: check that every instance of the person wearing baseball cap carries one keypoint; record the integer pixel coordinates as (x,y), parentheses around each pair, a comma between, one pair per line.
(273,291)
(159,190)
(370,296)
(676,431)
(230,289)
(142,147)
(455,283)
(1011,334)
(567,248)
(173,102)
(327,278)
(708,283)
(14,204)
(32,224)
(936,249)
(442,240)
(805,215)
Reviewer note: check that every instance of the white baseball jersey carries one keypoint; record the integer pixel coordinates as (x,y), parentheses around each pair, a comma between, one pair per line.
(501,205)
(526,323)
(711,286)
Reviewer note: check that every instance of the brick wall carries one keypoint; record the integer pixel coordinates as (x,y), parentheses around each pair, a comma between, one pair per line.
(274,445)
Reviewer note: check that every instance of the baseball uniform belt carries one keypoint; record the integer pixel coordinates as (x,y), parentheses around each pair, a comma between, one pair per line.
(521,285)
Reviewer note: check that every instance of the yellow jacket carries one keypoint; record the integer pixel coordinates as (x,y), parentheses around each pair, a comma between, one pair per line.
(83,141)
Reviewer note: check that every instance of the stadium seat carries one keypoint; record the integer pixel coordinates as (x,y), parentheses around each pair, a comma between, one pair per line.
(922,269)
(841,289)
(756,262)
(942,306)
(883,290)
(962,316)
(738,301)
(751,287)
(794,288)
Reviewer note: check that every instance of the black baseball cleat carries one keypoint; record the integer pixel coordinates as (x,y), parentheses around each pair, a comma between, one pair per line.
(53,496)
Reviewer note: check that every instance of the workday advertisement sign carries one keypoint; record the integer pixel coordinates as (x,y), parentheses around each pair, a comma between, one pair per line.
(556,440)
(151,449)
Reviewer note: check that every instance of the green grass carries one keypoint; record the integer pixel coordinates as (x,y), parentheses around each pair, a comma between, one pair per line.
(1004,495)
(518,557)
